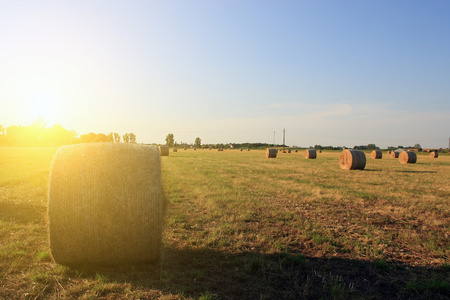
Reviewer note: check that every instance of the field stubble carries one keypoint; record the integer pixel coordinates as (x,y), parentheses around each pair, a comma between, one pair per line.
(241,225)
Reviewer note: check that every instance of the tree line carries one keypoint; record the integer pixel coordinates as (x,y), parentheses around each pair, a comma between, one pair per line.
(38,134)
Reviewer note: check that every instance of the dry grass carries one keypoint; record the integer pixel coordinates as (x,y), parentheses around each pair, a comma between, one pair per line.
(311,231)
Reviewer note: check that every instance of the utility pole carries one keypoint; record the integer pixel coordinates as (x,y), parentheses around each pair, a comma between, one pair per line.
(274,139)
(284,133)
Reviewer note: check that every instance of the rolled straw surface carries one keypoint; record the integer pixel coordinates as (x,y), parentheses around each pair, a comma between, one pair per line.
(164,150)
(271,153)
(407,157)
(376,154)
(310,154)
(105,204)
(434,154)
(352,160)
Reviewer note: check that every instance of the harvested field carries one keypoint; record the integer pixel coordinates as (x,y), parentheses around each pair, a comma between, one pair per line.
(311,231)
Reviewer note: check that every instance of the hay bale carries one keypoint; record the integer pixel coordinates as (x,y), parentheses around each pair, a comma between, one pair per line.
(407,157)
(376,154)
(434,154)
(248,149)
(352,160)
(105,204)
(296,150)
(320,151)
(394,154)
(241,149)
(271,153)
(310,154)
(164,150)
(389,152)
(289,151)
(175,149)
(185,148)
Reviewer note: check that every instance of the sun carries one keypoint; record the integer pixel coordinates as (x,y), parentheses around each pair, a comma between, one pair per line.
(42,107)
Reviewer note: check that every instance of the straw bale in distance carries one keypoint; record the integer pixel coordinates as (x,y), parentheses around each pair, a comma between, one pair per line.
(434,154)
(394,154)
(407,157)
(105,204)
(175,149)
(376,154)
(352,160)
(310,154)
(271,153)
(164,150)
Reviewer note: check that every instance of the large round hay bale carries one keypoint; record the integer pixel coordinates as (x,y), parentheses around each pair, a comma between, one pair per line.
(105,204)
(407,157)
(376,154)
(394,154)
(320,151)
(389,152)
(434,154)
(352,160)
(175,149)
(271,153)
(310,154)
(164,150)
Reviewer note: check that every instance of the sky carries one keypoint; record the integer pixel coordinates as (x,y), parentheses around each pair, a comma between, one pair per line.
(339,73)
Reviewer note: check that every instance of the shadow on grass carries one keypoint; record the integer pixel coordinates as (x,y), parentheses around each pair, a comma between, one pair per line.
(193,273)
(21,213)
(411,171)
(373,170)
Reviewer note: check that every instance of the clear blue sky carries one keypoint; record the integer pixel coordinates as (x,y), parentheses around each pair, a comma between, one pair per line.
(339,73)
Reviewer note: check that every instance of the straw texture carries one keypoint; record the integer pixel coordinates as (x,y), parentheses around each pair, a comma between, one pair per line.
(407,157)
(310,154)
(105,204)
(434,154)
(175,149)
(164,150)
(271,153)
(352,160)
(376,154)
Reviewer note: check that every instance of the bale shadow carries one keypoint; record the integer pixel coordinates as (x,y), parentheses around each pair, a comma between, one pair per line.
(373,170)
(250,275)
(418,172)
(21,213)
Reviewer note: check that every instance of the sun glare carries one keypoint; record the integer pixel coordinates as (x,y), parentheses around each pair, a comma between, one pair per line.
(42,107)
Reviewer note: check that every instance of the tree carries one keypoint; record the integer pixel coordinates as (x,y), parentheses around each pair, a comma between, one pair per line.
(132,137)
(111,136)
(126,138)
(417,146)
(170,140)
(198,142)
(116,137)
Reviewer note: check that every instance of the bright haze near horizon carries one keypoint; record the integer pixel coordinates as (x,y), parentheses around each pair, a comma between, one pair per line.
(339,73)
